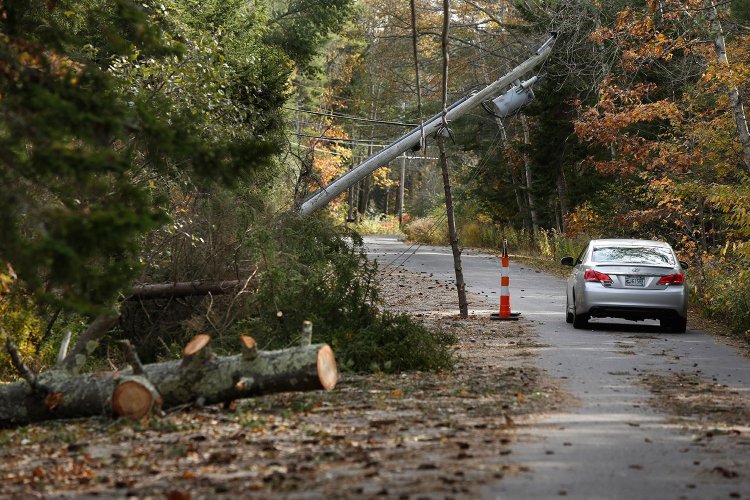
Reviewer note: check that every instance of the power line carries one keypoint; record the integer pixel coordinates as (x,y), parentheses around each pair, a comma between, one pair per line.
(351,117)
(359,158)
(361,142)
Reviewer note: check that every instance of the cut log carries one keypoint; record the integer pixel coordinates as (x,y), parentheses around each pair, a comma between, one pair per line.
(249,348)
(135,397)
(216,379)
(196,352)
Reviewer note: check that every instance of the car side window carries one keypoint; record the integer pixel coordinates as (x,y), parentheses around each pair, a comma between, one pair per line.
(579,259)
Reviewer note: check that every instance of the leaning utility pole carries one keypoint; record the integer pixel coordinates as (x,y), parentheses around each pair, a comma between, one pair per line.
(411,140)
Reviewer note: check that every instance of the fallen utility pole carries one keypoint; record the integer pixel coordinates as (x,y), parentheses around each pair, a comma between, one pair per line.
(412,139)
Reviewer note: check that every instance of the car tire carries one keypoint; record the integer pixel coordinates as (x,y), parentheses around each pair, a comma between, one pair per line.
(674,325)
(580,320)
(679,325)
(568,314)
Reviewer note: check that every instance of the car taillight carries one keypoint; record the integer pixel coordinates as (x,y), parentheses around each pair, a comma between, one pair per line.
(592,275)
(672,279)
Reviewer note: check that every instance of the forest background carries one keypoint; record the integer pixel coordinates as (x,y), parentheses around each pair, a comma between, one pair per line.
(169,141)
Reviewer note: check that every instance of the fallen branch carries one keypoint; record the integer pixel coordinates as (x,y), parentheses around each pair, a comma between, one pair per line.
(23,370)
(200,377)
(89,340)
(132,357)
(184,289)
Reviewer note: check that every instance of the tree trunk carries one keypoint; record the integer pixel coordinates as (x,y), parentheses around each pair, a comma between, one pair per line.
(365,188)
(527,166)
(401,181)
(519,200)
(562,196)
(200,378)
(364,195)
(735,101)
(463,305)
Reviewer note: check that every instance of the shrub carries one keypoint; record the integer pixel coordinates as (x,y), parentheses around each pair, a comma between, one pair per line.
(428,230)
(722,291)
(314,271)
(393,343)
(381,225)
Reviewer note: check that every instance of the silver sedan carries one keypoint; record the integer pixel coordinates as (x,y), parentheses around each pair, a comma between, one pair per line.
(630,279)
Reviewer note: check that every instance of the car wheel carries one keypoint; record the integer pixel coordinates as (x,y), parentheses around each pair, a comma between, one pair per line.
(568,314)
(674,325)
(580,320)
(678,325)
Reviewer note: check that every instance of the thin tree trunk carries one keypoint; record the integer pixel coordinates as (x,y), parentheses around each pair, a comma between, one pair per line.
(463,305)
(735,101)
(351,193)
(366,187)
(414,43)
(562,196)
(516,190)
(401,181)
(527,167)
(702,220)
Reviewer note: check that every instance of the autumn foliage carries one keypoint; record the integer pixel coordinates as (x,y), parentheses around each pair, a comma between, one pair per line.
(663,124)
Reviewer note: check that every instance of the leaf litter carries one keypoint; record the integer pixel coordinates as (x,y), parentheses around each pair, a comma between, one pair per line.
(715,415)
(441,434)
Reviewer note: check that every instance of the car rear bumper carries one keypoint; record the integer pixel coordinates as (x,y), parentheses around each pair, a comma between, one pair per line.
(598,301)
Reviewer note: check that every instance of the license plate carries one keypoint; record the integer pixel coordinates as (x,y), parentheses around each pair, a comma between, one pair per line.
(635,281)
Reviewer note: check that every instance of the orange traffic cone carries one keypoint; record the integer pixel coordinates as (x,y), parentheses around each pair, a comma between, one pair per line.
(505,314)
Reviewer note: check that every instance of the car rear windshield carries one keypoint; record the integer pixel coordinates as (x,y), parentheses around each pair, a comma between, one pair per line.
(633,255)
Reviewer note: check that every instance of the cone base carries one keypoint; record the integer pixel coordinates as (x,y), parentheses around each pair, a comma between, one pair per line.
(512,317)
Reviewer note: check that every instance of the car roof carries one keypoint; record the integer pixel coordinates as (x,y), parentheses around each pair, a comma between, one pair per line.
(629,242)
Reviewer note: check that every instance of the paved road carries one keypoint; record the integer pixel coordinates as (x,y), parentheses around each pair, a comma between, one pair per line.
(613,444)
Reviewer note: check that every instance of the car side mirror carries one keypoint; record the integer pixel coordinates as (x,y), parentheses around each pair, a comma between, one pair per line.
(568,261)
(684,264)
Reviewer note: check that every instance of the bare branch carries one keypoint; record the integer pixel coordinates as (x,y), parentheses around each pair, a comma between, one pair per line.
(88,340)
(19,365)
(132,357)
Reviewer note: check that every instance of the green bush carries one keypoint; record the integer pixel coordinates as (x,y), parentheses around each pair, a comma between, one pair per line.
(393,343)
(314,271)
(722,292)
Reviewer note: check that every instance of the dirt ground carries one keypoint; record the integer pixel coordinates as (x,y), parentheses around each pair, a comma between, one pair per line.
(441,435)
